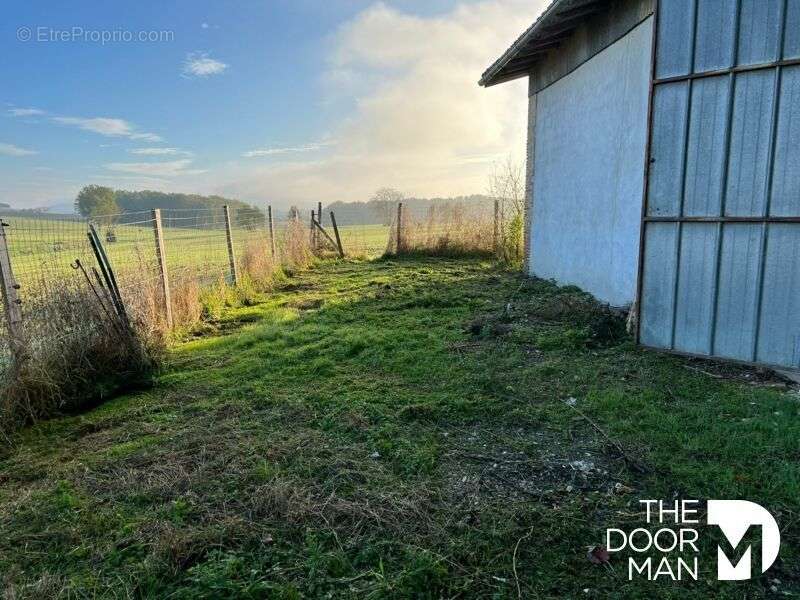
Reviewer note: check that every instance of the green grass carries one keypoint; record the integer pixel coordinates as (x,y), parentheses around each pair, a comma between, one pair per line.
(390,430)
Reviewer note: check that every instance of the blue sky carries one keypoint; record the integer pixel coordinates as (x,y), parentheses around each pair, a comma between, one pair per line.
(277,100)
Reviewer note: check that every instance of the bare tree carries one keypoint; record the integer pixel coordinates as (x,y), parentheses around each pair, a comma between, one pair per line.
(507,185)
(384,202)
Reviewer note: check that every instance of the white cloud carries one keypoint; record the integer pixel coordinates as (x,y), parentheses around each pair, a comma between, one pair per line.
(12,150)
(155,169)
(198,64)
(204,25)
(146,137)
(158,151)
(108,127)
(273,151)
(415,117)
(25,112)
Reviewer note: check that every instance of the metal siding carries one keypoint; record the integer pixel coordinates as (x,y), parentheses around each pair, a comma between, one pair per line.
(791,41)
(670,108)
(751,143)
(759,31)
(714,38)
(779,331)
(786,178)
(658,285)
(738,290)
(674,53)
(718,287)
(706,149)
(694,309)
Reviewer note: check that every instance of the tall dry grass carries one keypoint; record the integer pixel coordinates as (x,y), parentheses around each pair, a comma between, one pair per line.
(447,230)
(76,353)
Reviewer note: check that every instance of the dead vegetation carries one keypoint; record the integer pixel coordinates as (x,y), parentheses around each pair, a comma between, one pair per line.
(447,230)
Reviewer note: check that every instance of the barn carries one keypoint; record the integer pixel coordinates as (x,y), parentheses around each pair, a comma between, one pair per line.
(664,166)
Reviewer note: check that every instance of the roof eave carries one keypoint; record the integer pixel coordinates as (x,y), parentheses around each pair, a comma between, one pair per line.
(573,12)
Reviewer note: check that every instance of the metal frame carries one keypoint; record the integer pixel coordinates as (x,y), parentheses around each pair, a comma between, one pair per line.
(765,219)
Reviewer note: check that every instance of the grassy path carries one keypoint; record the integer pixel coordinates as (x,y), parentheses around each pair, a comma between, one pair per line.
(394,430)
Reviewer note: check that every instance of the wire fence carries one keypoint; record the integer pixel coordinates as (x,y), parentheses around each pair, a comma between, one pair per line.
(163,260)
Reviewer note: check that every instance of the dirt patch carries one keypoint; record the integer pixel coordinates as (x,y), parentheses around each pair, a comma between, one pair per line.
(758,376)
(483,465)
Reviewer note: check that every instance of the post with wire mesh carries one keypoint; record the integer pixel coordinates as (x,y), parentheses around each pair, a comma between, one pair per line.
(399,227)
(271,226)
(11,301)
(162,266)
(229,236)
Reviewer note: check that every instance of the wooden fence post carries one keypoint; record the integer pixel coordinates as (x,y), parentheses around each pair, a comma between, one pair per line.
(336,233)
(496,231)
(11,301)
(271,226)
(162,266)
(399,227)
(312,239)
(229,237)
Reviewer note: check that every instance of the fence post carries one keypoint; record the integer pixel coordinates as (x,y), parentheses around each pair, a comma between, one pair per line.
(496,231)
(162,265)
(399,227)
(336,233)
(271,226)
(313,235)
(229,237)
(11,301)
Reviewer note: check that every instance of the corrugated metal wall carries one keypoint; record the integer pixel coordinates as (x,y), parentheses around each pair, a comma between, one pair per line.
(721,258)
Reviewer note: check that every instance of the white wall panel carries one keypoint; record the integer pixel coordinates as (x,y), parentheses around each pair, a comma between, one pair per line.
(591,132)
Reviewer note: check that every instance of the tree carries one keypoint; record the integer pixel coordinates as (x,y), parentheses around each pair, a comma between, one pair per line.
(294,214)
(384,202)
(97,202)
(507,185)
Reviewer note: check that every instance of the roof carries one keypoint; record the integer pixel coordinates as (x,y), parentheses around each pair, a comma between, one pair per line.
(555,24)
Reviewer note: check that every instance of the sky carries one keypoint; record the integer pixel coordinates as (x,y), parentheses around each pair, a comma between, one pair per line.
(275,101)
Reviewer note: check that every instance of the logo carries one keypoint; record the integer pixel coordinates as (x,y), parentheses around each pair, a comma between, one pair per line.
(669,548)
(734,518)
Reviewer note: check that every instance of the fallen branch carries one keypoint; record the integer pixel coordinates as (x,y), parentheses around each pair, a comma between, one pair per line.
(632,462)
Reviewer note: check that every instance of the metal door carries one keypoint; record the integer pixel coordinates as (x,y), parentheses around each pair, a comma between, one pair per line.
(720,259)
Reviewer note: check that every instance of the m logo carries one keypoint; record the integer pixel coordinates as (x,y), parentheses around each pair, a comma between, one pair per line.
(734,518)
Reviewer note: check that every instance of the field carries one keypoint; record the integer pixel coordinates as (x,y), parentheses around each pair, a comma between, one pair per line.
(423,428)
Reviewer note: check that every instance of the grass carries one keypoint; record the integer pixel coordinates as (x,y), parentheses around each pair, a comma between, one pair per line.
(391,429)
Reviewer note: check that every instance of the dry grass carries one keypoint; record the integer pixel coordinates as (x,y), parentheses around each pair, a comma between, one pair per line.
(296,252)
(448,230)
(76,354)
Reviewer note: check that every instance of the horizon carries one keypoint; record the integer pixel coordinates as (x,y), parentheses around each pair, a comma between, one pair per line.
(287,103)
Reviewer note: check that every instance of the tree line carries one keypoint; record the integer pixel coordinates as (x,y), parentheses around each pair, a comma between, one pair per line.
(111,206)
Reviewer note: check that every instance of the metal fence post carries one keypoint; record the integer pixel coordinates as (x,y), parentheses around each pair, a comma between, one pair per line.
(336,233)
(162,265)
(271,226)
(229,237)
(11,301)
(399,227)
